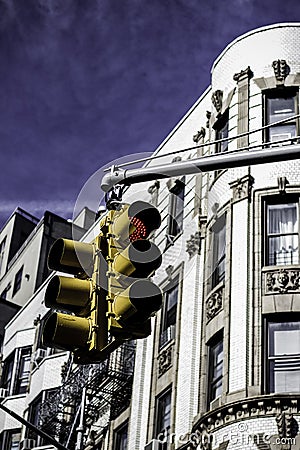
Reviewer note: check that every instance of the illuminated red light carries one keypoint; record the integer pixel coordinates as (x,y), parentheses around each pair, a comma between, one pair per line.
(140,231)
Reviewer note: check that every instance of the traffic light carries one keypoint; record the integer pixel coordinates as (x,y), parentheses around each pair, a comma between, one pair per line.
(107,297)
(84,331)
(132,258)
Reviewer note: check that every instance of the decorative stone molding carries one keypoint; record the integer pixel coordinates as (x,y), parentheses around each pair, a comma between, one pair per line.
(208,116)
(241,188)
(243,75)
(281,70)
(199,135)
(282,281)
(282,183)
(153,191)
(169,270)
(214,303)
(165,360)
(286,424)
(193,244)
(254,407)
(217,100)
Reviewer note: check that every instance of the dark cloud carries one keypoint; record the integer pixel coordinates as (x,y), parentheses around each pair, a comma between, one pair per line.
(85,81)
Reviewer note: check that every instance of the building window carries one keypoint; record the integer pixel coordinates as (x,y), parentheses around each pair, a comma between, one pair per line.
(7,373)
(282,234)
(18,281)
(120,437)
(163,416)
(283,365)
(176,210)
(169,313)
(215,370)
(34,414)
(10,439)
(280,104)
(2,247)
(23,370)
(218,240)
(221,129)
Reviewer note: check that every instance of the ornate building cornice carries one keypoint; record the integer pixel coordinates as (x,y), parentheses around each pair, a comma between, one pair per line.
(281,407)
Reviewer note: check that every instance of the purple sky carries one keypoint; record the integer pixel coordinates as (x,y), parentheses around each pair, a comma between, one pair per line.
(83,82)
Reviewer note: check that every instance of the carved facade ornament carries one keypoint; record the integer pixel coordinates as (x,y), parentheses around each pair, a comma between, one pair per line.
(261,406)
(199,135)
(281,70)
(217,100)
(243,75)
(241,188)
(282,281)
(214,303)
(153,191)
(165,360)
(282,183)
(193,244)
(286,425)
(208,116)
(169,271)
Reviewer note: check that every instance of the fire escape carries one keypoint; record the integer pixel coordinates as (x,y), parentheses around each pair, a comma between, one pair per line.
(108,387)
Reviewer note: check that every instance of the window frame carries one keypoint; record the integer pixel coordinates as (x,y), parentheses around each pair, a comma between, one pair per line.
(267,373)
(2,250)
(164,339)
(214,277)
(221,125)
(9,362)
(159,417)
(18,280)
(23,356)
(212,344)
(278,93)
(273,201)
(6,438)
(176,210)
(118,434)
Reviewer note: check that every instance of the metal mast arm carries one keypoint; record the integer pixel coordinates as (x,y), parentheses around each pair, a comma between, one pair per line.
(204,164)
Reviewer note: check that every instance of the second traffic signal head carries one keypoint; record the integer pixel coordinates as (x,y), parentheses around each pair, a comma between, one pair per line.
(131,257)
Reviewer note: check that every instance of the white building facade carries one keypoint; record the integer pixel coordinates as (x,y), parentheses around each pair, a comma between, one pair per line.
(221,369)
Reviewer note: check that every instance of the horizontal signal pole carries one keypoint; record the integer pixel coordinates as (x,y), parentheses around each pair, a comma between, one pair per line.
(203,164)
(33,428)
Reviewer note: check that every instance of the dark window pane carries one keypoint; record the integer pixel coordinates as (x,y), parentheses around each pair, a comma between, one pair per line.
(6,379)
(221,128)
(215,370)
(169,315)
(18,281)
(163,416)
(176,210)
(23,371)
(218,252)
(120,438)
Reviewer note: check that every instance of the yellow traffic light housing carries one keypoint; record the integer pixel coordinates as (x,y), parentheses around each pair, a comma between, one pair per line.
(107,297)
(132,297)
(84,331)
